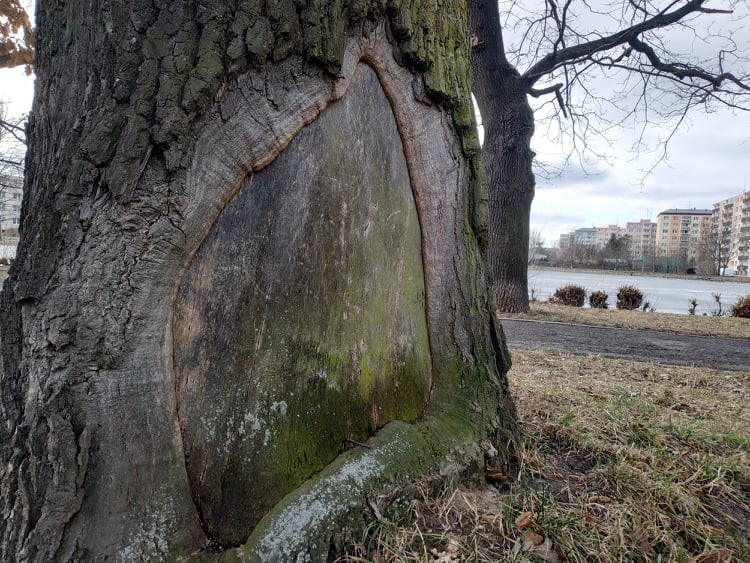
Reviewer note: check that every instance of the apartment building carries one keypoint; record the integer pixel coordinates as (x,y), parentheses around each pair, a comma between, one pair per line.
(680,232)
(731,232)
(642,238)
(11,194)
(585,236)
(603,234)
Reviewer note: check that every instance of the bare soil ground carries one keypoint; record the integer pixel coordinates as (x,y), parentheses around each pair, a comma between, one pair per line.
(643,345)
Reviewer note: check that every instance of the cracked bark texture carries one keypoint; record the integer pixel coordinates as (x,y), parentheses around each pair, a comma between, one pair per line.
(150,119)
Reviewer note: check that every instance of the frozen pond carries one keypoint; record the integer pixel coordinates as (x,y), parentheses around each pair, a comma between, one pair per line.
(666,295)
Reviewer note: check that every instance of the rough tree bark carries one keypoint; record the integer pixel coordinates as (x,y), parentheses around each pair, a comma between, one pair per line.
(508,123)
(208,310)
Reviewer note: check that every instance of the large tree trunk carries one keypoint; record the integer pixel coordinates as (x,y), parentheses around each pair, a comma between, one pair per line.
(508,126)
(251,239)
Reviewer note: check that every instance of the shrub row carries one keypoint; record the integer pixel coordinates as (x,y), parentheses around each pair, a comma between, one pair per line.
(628,298)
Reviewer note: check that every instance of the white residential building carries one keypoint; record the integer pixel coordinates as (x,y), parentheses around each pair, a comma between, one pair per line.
(731,232)
(642,238)
(11,194)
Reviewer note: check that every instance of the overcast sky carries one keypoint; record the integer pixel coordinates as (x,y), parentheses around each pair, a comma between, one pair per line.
(708,160)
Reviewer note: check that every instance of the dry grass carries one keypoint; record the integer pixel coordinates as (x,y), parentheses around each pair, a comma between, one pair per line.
(665,322)
(620,461)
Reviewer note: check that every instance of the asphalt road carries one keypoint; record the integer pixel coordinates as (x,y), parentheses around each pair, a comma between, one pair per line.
(642,345)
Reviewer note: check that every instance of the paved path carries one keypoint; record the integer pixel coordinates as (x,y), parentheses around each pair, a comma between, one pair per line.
(642,345)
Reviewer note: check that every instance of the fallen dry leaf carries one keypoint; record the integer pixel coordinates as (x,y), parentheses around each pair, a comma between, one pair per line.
(531,538)
(494,473)
(643,541)
(545,551)
(489,519)
(524,520)
(715,556)
(448,555)
(601,499)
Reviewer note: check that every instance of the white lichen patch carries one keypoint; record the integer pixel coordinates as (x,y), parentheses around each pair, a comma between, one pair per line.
(209,429)
(321,374)
(149,542)
(292,529)
(250,424)
(279,407)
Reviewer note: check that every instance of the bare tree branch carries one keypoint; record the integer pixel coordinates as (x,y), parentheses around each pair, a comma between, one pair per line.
(555,88)
(582,51)
(12,144)
(619,64)
(681,70)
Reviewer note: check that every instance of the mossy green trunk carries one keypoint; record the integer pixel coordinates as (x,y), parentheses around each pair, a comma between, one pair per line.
(252,236)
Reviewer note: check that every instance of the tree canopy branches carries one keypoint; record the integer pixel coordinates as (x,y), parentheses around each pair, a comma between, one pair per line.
(563,42)
(12,145)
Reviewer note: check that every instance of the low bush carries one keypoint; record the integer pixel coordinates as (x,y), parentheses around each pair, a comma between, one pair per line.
(693,306)
(598,300)
(719,311)
(742,308)
(629,297)
(571,295)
